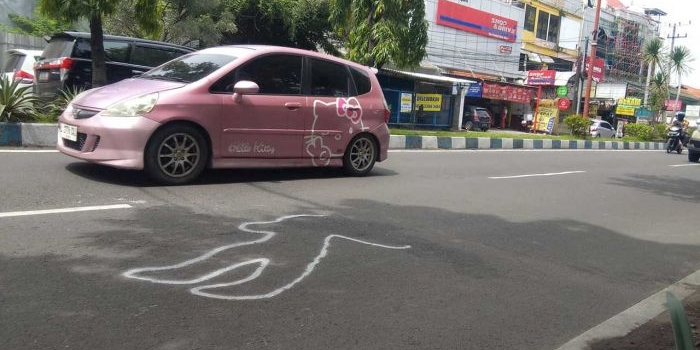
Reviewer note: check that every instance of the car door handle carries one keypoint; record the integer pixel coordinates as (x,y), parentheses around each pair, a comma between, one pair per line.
(292,105)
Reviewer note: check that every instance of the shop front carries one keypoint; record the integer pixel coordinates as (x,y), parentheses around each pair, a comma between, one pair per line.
(507,103)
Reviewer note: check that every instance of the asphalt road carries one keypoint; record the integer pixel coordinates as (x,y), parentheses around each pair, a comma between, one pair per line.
(434,250)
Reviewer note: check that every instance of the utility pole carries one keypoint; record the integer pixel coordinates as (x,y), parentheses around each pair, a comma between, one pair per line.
(581,70)
(675,36)
(594,45)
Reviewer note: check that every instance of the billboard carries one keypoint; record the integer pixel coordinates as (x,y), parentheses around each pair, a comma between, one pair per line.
(429,102)
(541,77)
(453,15)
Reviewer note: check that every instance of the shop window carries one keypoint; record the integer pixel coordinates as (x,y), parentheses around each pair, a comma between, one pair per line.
(548,27)
(542,25)
(530,16)
(553,30)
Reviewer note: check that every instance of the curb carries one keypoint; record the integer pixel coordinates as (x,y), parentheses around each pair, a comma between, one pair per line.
(44,135)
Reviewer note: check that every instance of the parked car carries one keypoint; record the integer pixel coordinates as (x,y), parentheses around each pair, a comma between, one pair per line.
(19,65)
(694,146)
(601,128)
(66,60)
(476,117)
(233,107)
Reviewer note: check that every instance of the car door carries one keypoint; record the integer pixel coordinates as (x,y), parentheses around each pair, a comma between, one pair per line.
(336,112)
(270,123)
(606,129)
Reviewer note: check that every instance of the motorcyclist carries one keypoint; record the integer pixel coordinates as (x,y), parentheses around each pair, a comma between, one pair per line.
(680,121)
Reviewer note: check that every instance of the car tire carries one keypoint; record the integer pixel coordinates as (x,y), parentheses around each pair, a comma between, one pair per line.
(176,154)
(669,146)
(469,126)
(360,156)
(693,157)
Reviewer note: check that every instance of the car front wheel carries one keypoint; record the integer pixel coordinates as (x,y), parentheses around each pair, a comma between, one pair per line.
(176,154)
(360,156)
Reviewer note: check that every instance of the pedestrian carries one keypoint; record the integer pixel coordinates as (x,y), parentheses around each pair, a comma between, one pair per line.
(504,115)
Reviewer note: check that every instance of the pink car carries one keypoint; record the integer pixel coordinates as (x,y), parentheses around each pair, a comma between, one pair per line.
(233,107)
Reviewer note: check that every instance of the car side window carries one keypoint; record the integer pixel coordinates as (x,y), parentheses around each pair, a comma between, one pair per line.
(149,56)
(274,74)
(362,82)
(116,51)
(329,79)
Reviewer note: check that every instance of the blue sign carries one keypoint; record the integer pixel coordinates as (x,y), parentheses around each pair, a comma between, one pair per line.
(474,90)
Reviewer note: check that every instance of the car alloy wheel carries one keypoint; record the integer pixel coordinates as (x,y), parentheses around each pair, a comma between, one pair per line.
(360,156)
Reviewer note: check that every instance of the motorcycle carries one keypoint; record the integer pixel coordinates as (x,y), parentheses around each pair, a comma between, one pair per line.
(674,142)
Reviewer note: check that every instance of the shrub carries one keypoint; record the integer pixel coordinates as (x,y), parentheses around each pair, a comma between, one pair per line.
(49,112)
(642,132)
(578,124)
(16,105)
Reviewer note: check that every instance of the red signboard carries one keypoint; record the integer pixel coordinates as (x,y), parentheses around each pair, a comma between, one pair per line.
(541,77)
(563,103)
(505,92)
(475,21)
(671,105)
(598,69)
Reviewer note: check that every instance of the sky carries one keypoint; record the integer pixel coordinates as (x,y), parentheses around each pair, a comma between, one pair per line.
(684,14)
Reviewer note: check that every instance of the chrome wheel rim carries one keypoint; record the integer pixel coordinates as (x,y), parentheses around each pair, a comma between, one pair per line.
(362,154)
(178,155)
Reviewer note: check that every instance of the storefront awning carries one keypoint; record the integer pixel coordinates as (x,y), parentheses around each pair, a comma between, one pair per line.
(562,78)
(429,77)
(535,57)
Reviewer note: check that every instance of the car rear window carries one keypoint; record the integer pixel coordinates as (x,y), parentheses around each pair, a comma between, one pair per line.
(362,82)
(58,47)
(190,67)
(13,63)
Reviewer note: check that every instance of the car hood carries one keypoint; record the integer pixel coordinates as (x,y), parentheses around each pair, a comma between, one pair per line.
(106,96)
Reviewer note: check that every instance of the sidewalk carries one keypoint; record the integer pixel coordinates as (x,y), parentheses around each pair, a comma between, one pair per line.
(44,135)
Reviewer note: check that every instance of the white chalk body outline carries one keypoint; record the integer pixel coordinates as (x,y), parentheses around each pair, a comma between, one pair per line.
(261,262)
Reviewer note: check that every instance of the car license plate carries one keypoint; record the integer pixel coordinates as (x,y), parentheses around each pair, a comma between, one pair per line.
(43,76)
(68,132)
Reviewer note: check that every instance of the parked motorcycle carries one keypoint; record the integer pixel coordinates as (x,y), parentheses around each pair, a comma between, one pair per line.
(674,142)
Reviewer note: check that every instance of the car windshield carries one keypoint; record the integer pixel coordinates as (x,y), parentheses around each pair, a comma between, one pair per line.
(189,68)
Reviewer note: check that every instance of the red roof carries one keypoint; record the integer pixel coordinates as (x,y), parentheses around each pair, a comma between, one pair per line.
(616,4)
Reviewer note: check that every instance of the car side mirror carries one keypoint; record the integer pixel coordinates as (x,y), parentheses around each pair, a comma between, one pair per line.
(244,87)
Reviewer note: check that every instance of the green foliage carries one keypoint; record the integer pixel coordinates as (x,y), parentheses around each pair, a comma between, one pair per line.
(640,131)
(682,334)
(37,25)
(49,112)
(578,124)
(16,104)
(382,31)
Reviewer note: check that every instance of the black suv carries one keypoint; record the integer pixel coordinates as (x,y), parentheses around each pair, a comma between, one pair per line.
(66,60)
(476,117)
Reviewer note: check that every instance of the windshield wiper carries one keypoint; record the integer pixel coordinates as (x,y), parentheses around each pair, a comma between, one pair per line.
(162,77)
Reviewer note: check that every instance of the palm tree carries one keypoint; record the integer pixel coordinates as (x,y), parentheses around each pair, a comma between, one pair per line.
(658,92)
(94,11)
(653,56)
(679,61)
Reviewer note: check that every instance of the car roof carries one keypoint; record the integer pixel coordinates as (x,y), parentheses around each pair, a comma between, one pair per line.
(24,52)
(243,51)
(86,35)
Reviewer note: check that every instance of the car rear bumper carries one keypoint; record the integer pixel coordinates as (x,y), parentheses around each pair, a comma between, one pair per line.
(112,141)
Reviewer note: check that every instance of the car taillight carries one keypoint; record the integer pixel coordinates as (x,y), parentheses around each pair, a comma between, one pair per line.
(23,77)
(63,64)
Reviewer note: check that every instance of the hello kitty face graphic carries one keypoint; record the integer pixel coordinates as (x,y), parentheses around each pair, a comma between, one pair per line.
(350,109)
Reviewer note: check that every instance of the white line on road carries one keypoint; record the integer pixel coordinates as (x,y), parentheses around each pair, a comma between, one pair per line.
(688,164)
(63,210)
(534,175)
(28,151)
(488,150)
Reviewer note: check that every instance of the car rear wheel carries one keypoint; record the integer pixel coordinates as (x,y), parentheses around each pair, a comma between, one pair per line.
(176,154)
(360,156)
(469,126)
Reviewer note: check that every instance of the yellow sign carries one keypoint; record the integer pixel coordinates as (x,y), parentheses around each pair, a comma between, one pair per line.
(630,101)
(429,102)
(624,110)
(547,119)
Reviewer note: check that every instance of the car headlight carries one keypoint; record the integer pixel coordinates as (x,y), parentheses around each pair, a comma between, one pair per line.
(133,107)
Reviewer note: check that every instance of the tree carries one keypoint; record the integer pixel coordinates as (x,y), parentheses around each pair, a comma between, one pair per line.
(381,31)
(679,61)
(193,23)
(658,88)
(94,11)
(37,25)
(653,55)
(295,23)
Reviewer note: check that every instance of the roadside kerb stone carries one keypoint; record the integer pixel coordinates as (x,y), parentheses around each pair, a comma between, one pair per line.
(39,135)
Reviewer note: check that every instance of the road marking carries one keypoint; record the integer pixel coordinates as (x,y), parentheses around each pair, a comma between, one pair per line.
(28,151)
(64,210)
(261,262)
(688,164)
(637,315)
(485,150)
(535,175)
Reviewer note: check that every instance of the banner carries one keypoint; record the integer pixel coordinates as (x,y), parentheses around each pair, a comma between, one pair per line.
(671,105)
(453,15)
(541,77)
(496,91)
(429,102)
(547,117)
(598,69)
